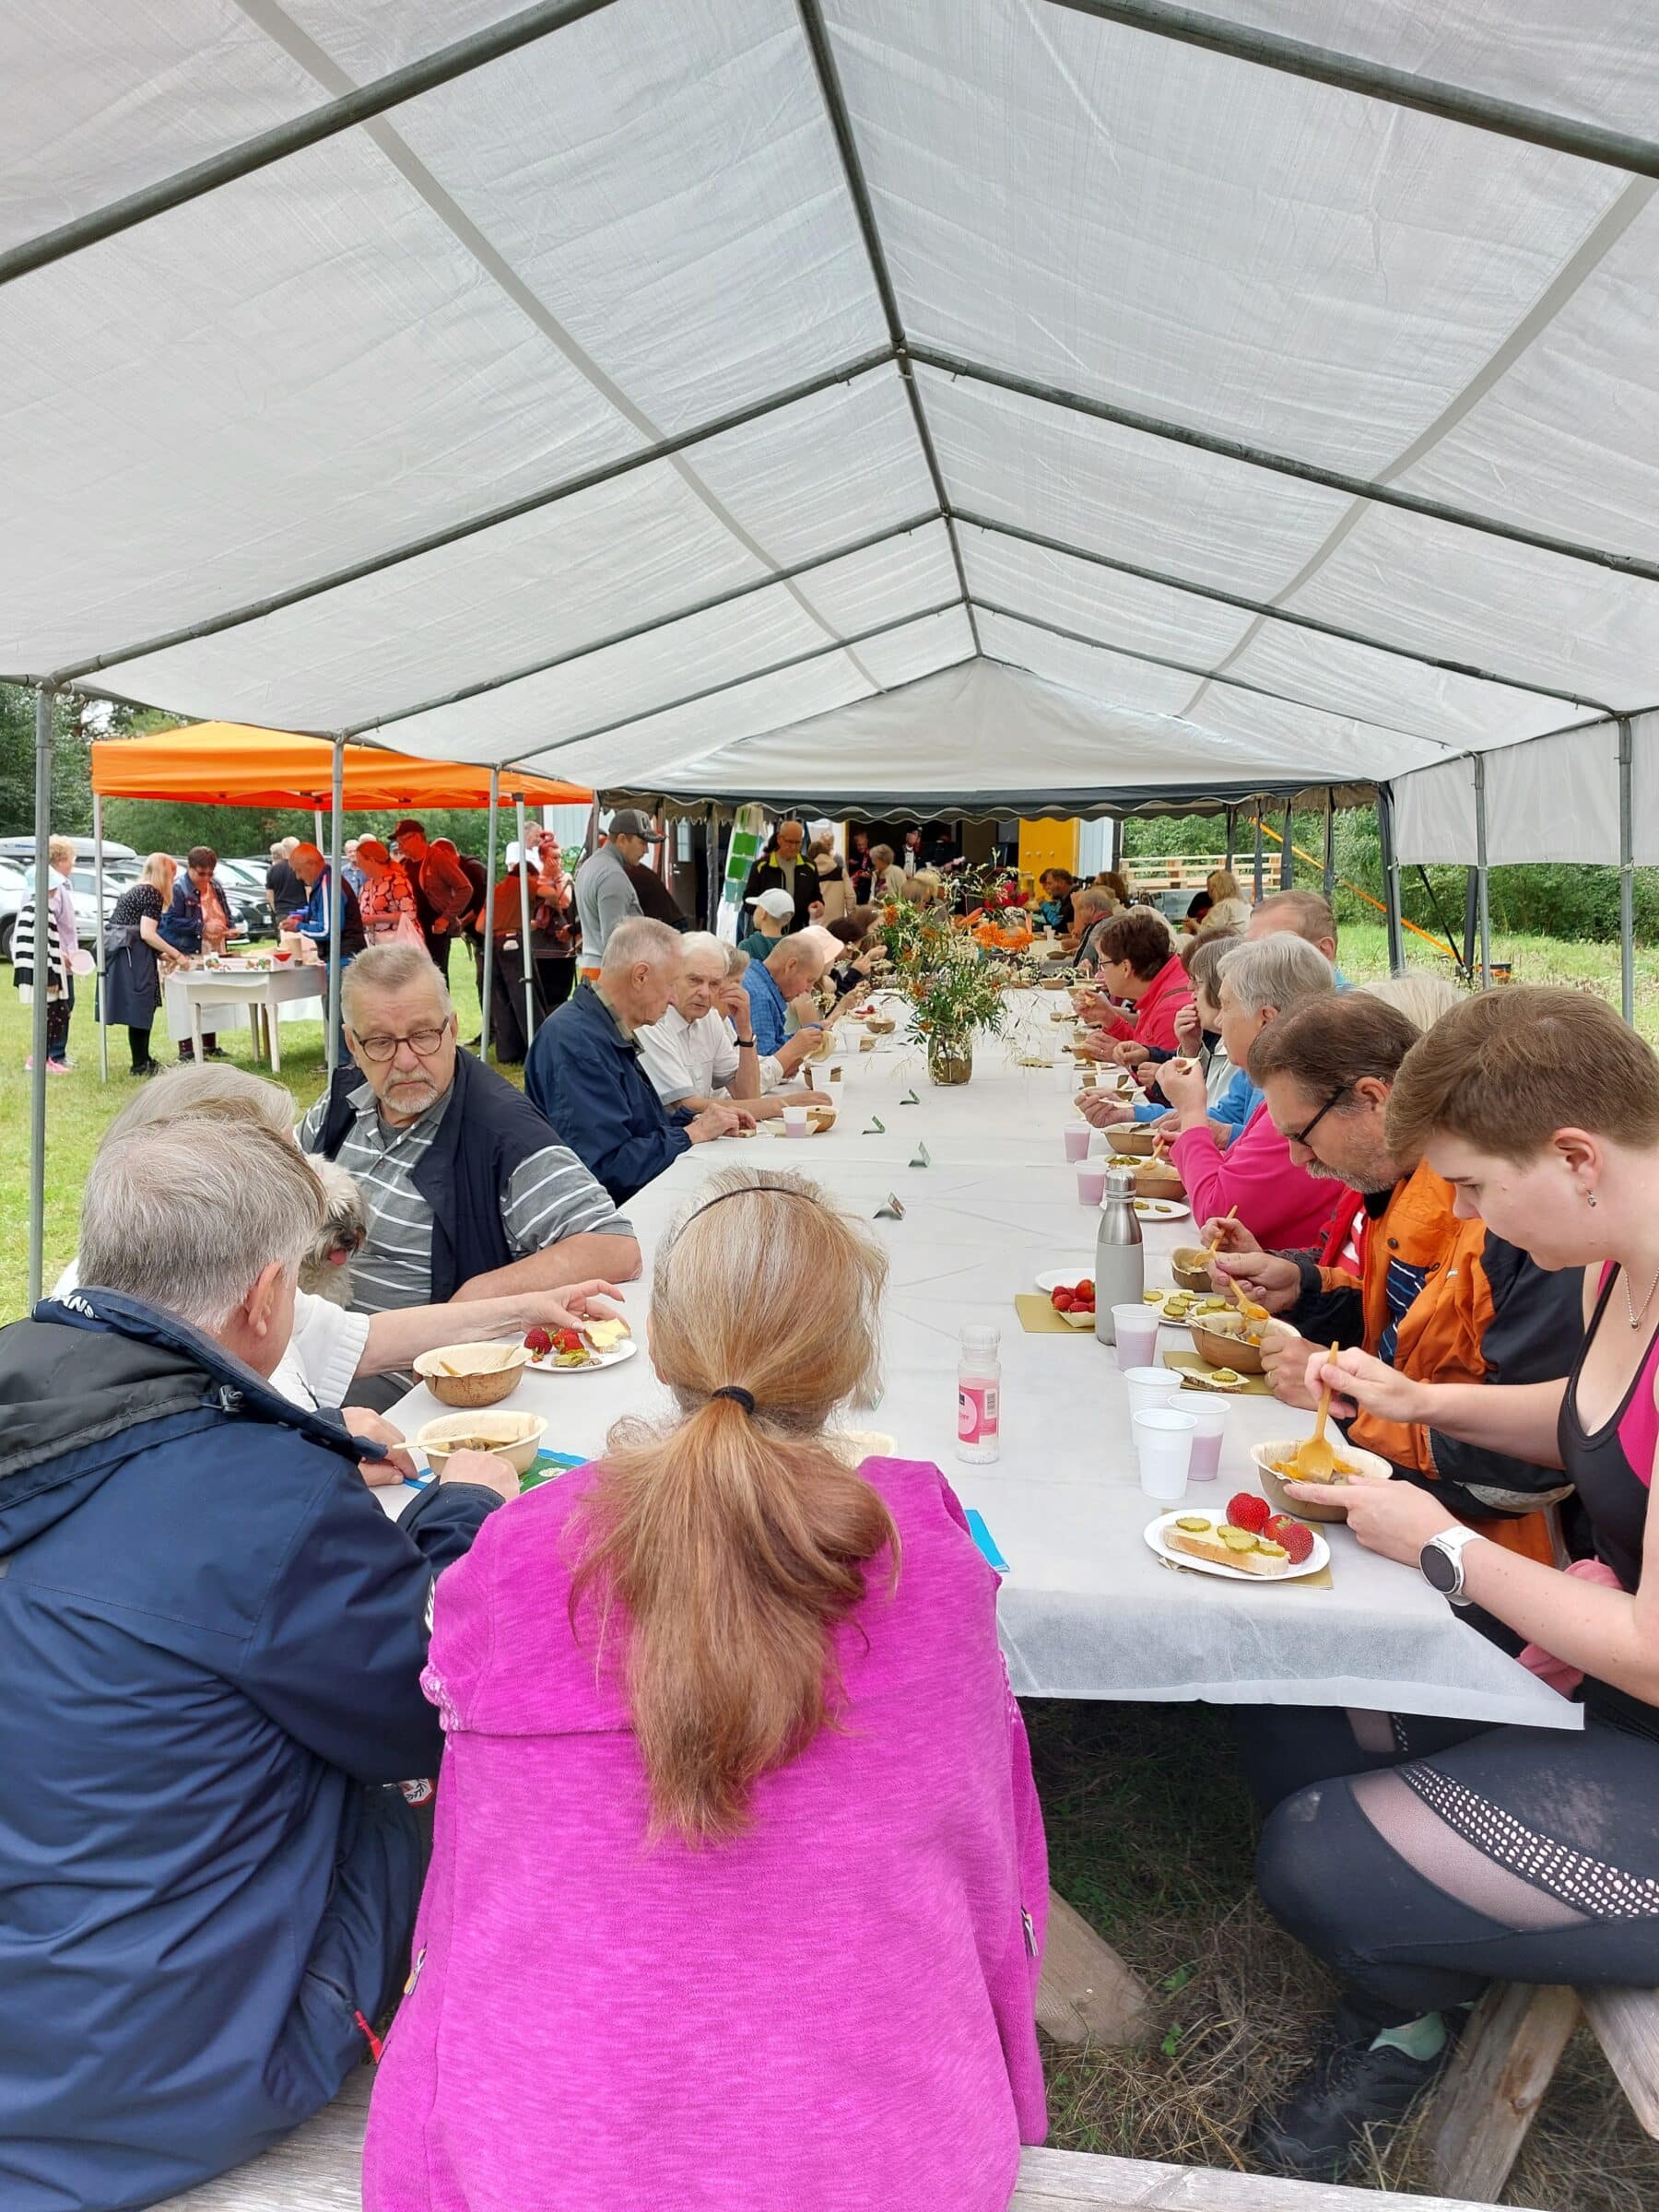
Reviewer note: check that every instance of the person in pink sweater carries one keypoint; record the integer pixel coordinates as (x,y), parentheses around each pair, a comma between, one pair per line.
(1282,1205)
(738,1888)
(1137,963)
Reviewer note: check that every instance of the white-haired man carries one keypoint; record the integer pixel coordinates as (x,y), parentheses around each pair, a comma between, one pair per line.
(212,1640)
(469,1193)
(584,1068)
(701,1051)
(789,971)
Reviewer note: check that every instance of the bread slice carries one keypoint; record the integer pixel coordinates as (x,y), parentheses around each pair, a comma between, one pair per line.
(1210,1546)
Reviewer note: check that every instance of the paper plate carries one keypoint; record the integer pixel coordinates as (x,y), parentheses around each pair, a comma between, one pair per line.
(1161,1209)
(1051,1280)
(614,1358)
(1318,1556)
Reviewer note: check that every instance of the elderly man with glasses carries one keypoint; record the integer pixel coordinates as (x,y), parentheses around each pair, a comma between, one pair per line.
(469,1192)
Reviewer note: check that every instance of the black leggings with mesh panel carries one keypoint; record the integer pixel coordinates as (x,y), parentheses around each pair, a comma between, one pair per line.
(1422,1859)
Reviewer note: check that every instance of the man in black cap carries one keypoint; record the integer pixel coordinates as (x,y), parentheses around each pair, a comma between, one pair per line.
(605,896)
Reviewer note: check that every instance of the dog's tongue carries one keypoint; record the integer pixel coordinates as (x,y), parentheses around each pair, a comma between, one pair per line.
(338,1258)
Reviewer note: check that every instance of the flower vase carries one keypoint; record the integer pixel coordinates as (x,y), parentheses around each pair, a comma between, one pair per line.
(949,1059)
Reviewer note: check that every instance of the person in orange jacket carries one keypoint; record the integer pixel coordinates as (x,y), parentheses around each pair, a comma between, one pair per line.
(1441,1300)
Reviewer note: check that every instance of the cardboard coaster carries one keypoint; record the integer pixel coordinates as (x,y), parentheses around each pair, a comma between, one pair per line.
(1254,1386)
(1038,1318)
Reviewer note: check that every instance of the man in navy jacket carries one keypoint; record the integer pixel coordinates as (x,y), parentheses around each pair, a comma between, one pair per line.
(211,1636)
(584,1068)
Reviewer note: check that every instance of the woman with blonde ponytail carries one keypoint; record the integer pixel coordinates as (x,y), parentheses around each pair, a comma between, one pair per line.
(739,1881)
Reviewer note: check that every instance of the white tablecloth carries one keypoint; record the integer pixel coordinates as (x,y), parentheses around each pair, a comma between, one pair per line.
(1086,1610)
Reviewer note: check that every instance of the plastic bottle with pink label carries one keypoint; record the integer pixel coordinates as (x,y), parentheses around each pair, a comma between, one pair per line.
(979,1396)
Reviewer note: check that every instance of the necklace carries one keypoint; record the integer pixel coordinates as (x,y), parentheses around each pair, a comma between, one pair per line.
(1636,1313)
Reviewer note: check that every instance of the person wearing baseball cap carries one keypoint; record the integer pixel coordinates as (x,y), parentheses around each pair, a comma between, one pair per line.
(773,916)
(604,896)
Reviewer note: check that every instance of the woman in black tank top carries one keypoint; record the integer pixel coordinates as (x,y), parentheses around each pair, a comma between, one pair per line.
(1453,1855)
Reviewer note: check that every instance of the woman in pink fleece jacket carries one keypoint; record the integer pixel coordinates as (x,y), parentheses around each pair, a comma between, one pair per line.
(1282,1205)
(738,1890)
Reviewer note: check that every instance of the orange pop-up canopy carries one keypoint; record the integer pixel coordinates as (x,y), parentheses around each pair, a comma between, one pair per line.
(234,764)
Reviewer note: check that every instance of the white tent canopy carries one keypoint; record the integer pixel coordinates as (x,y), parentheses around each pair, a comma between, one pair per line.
(663,376)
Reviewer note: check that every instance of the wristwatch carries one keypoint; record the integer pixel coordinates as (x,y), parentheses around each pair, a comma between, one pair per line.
(1441,1562)
(746,1044)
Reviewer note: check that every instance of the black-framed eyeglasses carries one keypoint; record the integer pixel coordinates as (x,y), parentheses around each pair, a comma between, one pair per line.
(1300,1136)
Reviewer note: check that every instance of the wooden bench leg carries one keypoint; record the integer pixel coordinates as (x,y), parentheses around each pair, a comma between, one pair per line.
(1086,1993)
(1495,2083)
(1625,2022)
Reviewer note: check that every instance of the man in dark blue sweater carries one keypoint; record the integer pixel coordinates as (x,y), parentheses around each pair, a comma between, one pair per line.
(583,1070)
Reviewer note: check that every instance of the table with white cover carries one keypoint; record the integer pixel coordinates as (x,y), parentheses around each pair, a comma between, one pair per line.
(1086,1610)
(265,995)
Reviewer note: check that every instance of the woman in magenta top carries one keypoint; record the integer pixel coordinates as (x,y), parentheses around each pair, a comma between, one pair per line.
(1134,961)
(1282,1204)
(738,1888)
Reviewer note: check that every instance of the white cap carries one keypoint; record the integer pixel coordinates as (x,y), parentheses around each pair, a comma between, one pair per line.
(778,905)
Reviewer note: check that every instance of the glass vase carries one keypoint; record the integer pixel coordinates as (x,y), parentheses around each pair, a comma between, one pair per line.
(949,1059)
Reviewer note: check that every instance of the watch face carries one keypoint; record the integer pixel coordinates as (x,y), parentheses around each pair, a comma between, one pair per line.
(1439,1572)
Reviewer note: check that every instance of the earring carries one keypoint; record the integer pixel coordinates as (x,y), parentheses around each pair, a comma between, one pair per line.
(1589,1197)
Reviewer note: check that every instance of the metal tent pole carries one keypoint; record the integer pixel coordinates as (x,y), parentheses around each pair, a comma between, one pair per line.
(490,868)
(1261,855)
(711,863)
(45,750)
(1229,815)
(1391,880)
(1287,859)
(1627,872)
(1482,901)
(317,828)
(99,1006)
(1330,845)
(336,908)
(526,961)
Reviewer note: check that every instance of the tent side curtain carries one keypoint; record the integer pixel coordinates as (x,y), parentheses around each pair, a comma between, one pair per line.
(232,764)
(1550,798)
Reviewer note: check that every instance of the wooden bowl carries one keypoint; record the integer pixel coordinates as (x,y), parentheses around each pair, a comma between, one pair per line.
(1190,1265)
(1302,1509)
(1157,1180)
(514,1436)
(1135,1138)
(485,1389)
(881,1025)
(1218,1343)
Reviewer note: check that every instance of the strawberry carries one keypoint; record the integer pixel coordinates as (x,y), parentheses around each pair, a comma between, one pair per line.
(537,1343)
(1062,1300)
(1295,1536)
(1247,1511)
(1085,1289)
(567,1340)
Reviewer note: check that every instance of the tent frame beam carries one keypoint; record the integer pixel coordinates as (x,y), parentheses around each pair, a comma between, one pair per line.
(1483,903)
(1283,464)
(864,208)
(1626,870)
(1389,854)
(1275,614)
(376,564)
(44,762)
(1210,676)
(359,105)
(1373,81)
(655,622)
(750,676)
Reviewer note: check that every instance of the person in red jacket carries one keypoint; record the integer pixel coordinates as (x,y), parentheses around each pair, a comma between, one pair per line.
(1135,963)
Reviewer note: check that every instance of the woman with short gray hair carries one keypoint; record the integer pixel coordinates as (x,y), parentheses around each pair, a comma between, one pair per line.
(1282,1205)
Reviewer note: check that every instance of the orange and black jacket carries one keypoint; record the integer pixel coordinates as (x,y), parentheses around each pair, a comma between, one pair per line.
(1485,1313)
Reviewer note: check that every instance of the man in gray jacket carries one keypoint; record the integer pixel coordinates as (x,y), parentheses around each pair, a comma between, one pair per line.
(605,897)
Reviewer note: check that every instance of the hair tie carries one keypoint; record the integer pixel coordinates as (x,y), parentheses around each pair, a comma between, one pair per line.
(738,1397)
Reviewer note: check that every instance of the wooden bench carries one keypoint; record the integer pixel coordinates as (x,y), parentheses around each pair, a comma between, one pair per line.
(1506,2060)
(316,2171)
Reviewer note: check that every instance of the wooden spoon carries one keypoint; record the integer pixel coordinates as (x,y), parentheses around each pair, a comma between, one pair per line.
(1314,1460)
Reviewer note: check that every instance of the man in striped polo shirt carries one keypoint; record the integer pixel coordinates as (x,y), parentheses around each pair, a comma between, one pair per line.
(468,1191)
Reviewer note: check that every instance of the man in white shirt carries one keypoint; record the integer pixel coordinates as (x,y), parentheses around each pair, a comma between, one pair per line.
(694,1054)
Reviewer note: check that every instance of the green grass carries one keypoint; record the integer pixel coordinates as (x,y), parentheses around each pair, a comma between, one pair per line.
(1152,1835)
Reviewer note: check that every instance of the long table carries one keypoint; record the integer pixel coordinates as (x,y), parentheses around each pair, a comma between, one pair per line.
(1086,1610)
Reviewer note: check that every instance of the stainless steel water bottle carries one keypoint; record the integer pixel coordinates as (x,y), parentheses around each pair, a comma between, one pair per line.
(1119,1262)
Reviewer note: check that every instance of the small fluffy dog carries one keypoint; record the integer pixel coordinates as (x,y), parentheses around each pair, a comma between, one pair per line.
(326,1270)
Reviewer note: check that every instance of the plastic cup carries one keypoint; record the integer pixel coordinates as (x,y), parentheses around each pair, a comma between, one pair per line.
(1091,1182)
(795,1121)
(1134,1332)
(1148,1387)
(1163,1446)
(1211,1418)
(1077,1141)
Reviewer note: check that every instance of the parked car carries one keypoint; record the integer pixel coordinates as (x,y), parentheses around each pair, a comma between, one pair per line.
(20,851)
(14,890)
(248,911)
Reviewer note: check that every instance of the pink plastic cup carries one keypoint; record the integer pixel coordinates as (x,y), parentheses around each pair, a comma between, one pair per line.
(1076,1142)
(1091,1182)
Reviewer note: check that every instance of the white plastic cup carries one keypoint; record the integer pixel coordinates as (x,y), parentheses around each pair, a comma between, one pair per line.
(1211,1418)
(1077,1141)
(1134,1332)
(1163,1446)
(795,1121)
(1091,1182)
(1148,1387)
